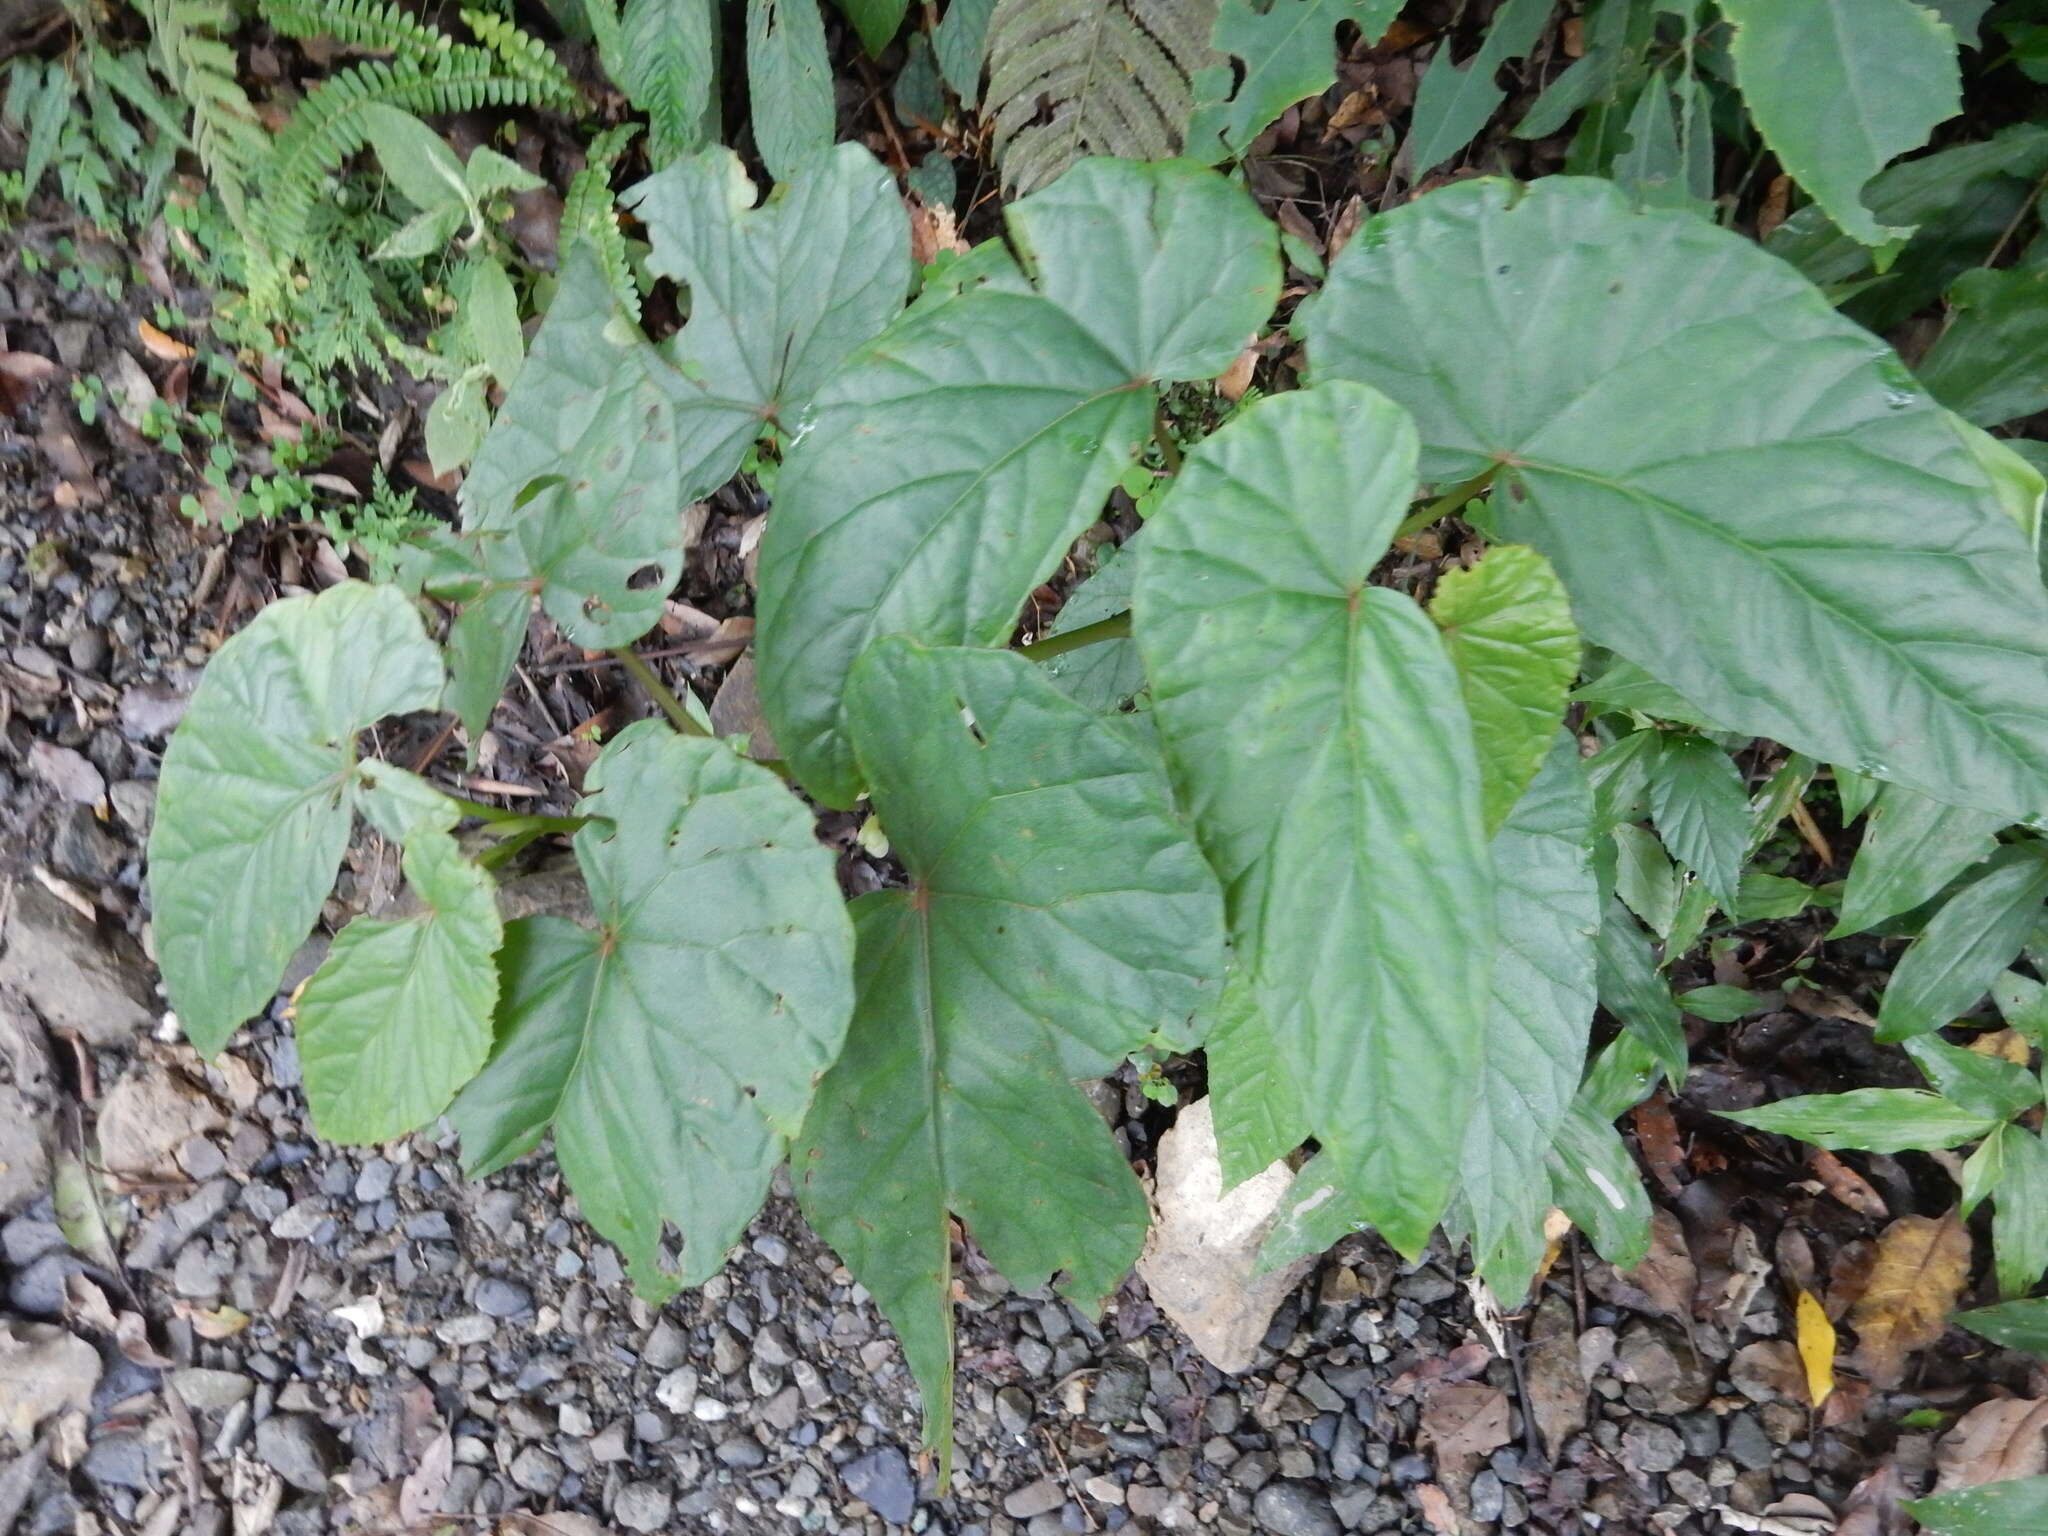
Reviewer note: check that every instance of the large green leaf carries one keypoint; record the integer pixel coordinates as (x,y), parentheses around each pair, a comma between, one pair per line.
(1912,847)
(1253,1098)
(1977,1081)
(1828,565)
(1701,809)
(1947,970)
(1059,915)
(258,788)
(675,1047)
(1991,363)
(1508,627)
(1285,51)
(605,440)
(1840,88)
(2019,1212)
(1315,729)
(1870,1120)
(2018,1507)
(789,83)
(1547,911)
(950,465)
(398,1017)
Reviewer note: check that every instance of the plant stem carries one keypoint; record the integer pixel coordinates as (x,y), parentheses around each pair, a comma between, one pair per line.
(503,853)
(1447,503)
(658,691)
(1115,627)
(1162,433)
(508,822)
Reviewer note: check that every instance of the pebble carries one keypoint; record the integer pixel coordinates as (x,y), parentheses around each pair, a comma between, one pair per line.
(537,1471)
(1295,1509)
(1653,1447)
(470,1328)
(881,1480)
(1041,1497)
(118,1461)
(375,1180)
(1748,1444)
(642,1507)
(502,1298)
(298,1448)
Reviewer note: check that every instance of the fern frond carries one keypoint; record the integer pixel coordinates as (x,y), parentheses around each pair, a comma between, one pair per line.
(525,57)
(373,25)
(590,212)
(329,127)
(1069,78)
(201,68)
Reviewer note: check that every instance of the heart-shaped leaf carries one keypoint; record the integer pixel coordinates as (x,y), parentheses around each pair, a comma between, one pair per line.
(259,786)
(935,517)
(674,1047)
(1059,916)
(1315,730)
(1826,564)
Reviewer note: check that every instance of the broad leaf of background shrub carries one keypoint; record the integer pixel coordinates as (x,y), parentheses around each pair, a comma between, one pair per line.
(259,786)
(674,1048)
(1977,933)
(1107,675)
(1283,53)
(1453,101)
(1316,732)
(1912,847)
(1059,915)
(1841,88)
(951,463)
(1745,494)
(789,83)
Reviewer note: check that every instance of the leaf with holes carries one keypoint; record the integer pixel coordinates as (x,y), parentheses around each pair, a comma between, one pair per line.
(1316,733)
(259,787)
(1285,52)
(674,1048)
(1059,915)
(1829,566)
(936,519)
(1508,627)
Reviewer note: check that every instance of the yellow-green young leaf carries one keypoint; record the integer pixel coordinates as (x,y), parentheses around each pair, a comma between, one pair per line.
(2016,1507)
(1966,945)
(674,1048)
(1508,627)
(1887,564)
(901,511)
(1840,88)
(2019,1213)
(1058,915)
(258,788)
(416,159)
(1257,1107)
(1315,729)
(1912,847)
(398,1017)
(1870,1120)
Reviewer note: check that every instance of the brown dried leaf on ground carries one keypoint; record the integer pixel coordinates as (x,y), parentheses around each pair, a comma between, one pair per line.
(1436,1508)
(1667,1277)
(2004,1438)
(1464,1424)
(1876,1506)
(1846,1184)
(1769,1371)
(1922,1262)
(1554,1386)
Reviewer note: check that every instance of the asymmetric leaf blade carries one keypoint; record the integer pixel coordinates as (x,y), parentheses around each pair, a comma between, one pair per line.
(1316,734)
(674,1048)
(258,788)
(1824,562)
(1059,914)
(950,465)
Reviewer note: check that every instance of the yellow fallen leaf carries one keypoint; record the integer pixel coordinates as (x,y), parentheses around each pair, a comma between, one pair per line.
(1816,1348)
(1921,1264)
(157,344)
(2003,1044)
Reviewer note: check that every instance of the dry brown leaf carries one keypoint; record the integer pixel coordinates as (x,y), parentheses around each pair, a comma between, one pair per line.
(2007,1437)
(1657,1135)
(157,344)
(1436,1508)
(1233,381)
(1876,1506)
(1777,203)
(1847,1185)
(419,1496)
(1848,1274)
(1747,1271)
(1922,1262)
(1668,1275)
(2003,1045)
(1769,1370)
(561,1523)
(1464,1424)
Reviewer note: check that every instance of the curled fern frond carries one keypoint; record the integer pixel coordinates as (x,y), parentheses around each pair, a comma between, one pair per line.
(525,57)
(374,25)
(1069,78)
